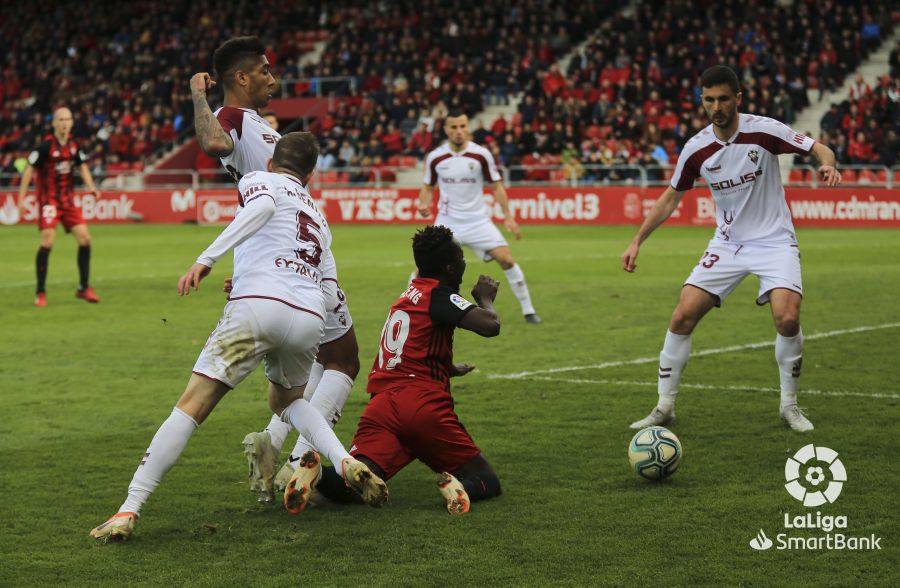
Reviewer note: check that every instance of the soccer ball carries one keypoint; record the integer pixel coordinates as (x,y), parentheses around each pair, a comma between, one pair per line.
(655,453)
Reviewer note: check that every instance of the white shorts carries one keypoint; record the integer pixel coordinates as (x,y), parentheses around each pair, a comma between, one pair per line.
(724,265)
(337,316)
(255,329)
(479,235)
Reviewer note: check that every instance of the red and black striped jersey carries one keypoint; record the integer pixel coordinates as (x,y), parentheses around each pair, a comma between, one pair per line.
(417,340)
(55,164)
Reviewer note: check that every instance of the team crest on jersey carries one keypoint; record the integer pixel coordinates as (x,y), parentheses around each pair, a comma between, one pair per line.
(459,301)
(471,167)
(753,155)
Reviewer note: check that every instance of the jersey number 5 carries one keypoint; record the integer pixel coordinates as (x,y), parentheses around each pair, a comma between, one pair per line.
(305,235)
(393,338)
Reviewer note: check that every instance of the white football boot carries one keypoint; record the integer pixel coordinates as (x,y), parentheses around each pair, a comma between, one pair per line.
(656,418)
(303,481)
(358,476)
(454,493)
(794,417)
(118,527)
(262,460)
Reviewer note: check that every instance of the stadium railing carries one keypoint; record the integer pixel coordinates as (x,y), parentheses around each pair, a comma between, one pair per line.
(537,175)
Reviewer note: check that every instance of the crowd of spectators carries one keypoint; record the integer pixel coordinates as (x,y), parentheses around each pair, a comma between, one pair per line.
(123,69)
(632,98)
(629,97)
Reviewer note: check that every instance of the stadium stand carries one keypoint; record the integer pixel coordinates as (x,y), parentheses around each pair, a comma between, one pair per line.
(629,98)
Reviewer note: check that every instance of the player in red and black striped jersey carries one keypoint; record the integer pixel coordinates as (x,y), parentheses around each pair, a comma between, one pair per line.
(411,415)
(55,161)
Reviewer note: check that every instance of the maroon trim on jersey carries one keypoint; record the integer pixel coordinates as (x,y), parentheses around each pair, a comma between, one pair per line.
(691,169)
(231,118)
(202,375)
(294,306)
(434,164)
(771,143)
(485,169)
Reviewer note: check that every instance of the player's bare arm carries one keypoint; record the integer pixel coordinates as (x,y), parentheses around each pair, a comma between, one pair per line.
(192,278)
(88,179)
(828,172)
(426,195)
(509,220)
(483,320)
(662,209)
(26,181)
(213,139)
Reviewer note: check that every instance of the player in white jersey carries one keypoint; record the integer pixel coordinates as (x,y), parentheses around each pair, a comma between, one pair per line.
(275,314)
(462,169)
(737,155)
(244,141)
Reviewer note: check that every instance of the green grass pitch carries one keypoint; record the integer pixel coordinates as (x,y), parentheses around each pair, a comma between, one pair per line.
(84,387)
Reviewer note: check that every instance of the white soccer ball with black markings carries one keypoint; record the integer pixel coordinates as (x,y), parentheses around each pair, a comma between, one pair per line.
(655,453)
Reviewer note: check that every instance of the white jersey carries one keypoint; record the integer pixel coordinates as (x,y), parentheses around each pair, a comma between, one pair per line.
(279,237)
(744,178)
(460,178)
(254,140)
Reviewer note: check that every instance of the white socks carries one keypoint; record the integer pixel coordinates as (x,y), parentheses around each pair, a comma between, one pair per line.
(672,359)
(165,448)
(516,280)
(789,355)
(329,399)
(278,429)
(315,376)
(313,427)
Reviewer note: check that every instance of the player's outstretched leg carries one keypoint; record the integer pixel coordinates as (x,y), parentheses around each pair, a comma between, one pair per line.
(692,306)
(299,488)
(314,428)
(262,448)
(789,355)
(199,399)
(327,391)
(517,284)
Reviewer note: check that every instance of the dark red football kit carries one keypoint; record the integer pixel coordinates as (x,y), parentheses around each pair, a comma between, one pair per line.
(410,415)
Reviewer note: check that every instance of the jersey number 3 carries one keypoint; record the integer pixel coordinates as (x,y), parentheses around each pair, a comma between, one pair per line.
(393,338)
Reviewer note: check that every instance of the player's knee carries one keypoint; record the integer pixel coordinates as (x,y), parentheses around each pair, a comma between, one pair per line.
(343,357)
(682,322)
(506,262)
(787,324)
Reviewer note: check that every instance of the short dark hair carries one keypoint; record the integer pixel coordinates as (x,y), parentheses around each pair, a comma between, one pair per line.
(434,249)
(233,52)
(296,152)
(718,75)
(455,112)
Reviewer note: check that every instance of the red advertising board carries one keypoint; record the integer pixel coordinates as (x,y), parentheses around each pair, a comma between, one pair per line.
(589,205)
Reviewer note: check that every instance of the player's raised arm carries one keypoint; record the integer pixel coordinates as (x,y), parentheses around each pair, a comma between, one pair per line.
(662,209)
(483,319)
(213,139)
(828,172)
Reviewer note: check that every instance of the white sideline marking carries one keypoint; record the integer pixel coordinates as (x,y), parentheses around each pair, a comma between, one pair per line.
(716,351)
(802,392)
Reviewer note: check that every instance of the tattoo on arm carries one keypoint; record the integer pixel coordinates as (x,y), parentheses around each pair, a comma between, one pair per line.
(212,137)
